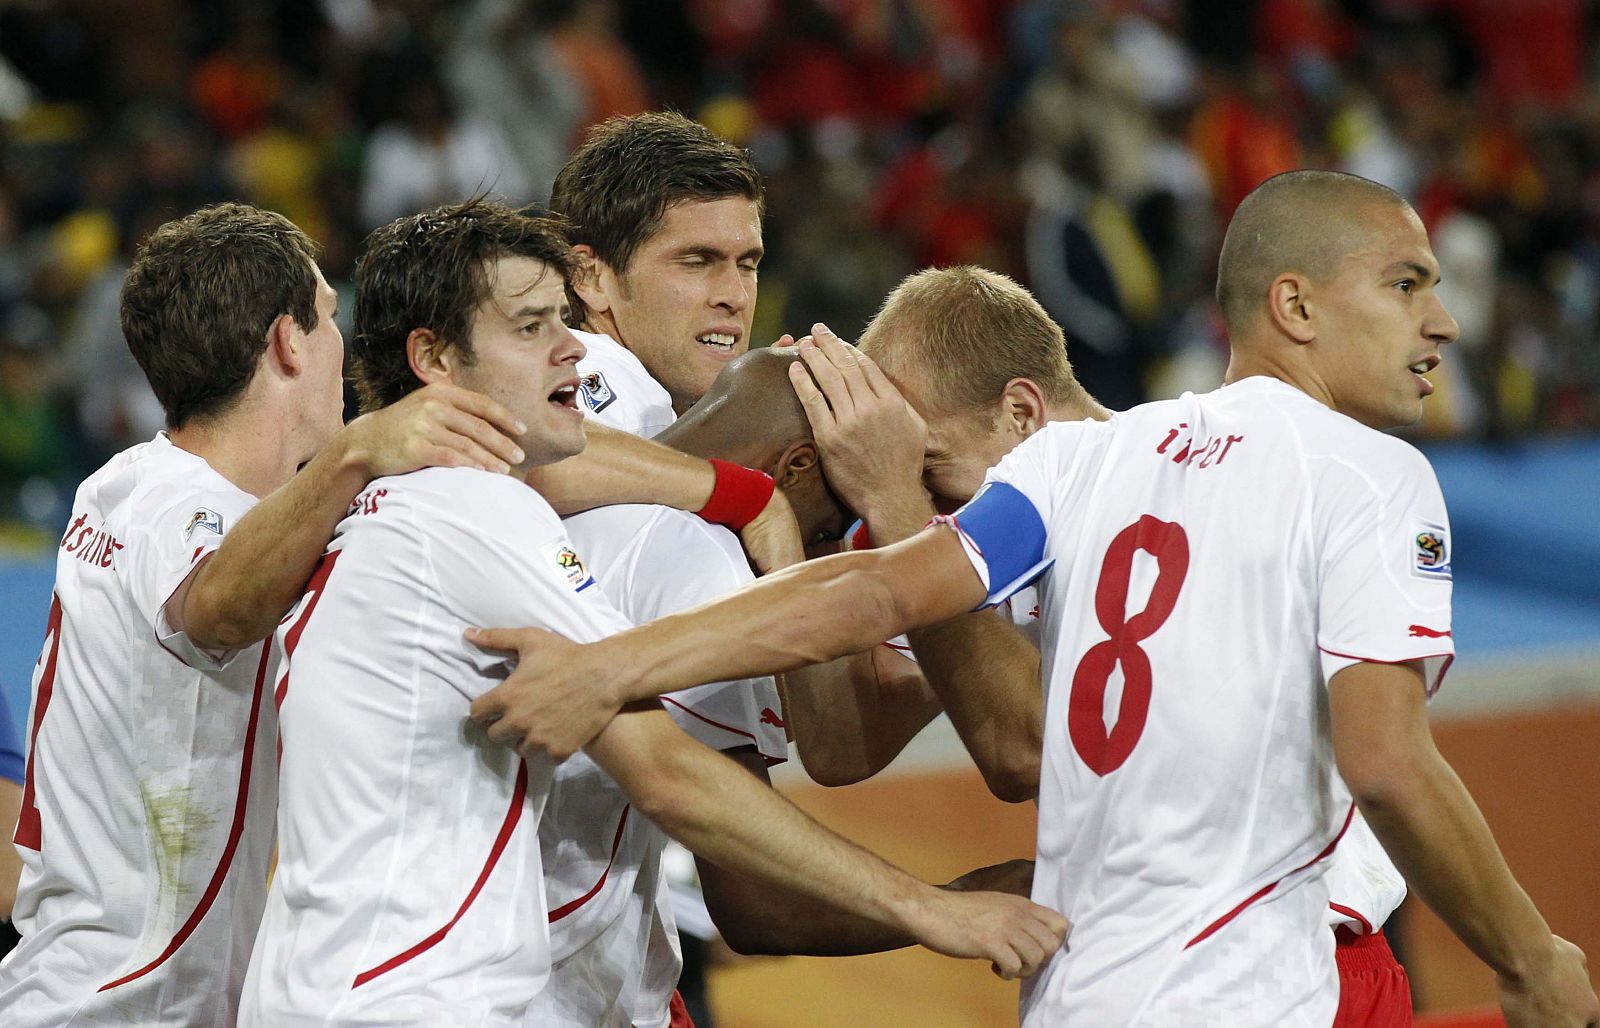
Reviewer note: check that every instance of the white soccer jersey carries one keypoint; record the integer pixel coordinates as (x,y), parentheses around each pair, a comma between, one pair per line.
(612,935)
(617,390)
(1209,563)
(1364,886)
(409,886)
(146,824)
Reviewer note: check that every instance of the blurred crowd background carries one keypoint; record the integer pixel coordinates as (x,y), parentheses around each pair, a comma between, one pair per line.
(1092,149)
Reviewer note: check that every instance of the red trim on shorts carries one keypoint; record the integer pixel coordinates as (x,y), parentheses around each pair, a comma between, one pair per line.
(234,834)
(513,815)
(1354,915)
(616,843)
(1327,851)
(678,1011)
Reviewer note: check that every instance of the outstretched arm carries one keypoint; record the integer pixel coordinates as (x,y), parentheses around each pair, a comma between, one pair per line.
(851,717)
(562,693)
(1436,836)
(236,596)
(729,817)
(756,917)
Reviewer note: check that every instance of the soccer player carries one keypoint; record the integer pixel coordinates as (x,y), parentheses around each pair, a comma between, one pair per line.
(1242,590)
(146,819)
(409,884)
(667,220)
(602,866)
(984,368)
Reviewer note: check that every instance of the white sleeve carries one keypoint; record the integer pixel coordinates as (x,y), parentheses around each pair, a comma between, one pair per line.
(167,552)
(1384,542)
(511,565)
(682,562)
(1364,886)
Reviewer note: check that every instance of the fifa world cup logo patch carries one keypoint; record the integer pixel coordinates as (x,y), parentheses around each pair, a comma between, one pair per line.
(1430,551)
(596,392)
(571,567)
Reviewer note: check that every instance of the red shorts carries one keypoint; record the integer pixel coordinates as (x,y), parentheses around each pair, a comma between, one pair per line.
(1373,989)
(680,1013)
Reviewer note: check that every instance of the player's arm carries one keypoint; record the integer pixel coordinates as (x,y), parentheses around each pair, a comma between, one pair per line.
(982,670)
(562,693)
(851,717)
(618,467)
(10,859)
(236,595)
(729,817)
(757,917)
(1436,836)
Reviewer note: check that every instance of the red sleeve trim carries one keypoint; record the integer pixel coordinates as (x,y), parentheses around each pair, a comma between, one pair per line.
(1448,656)
(1354,915)
(513,815)
(1327,851)
(234,833)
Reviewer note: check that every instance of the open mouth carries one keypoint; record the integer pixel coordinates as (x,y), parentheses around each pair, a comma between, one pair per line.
(1425,365)
(718,342)
(566,396)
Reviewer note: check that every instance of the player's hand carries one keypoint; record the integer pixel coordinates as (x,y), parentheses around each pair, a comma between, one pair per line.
(772,541)
(552,704)
(1014,877)
(440,425)
(871,441)
(1013,934)
(1558,996)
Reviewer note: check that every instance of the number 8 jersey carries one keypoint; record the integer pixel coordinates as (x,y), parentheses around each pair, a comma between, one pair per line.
(1208,564)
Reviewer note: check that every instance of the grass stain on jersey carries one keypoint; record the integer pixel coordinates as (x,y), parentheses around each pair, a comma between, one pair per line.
(178,831)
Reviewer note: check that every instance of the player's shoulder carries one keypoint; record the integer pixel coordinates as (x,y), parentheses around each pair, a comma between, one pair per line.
(146,486)
(464,493)
(669,540)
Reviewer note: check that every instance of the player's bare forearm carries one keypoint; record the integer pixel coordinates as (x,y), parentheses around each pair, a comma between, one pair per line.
(10,860)
(851,717)
(237,596)
(561,694)
(618,467)
(986,674)
(1429,824)
(736,821)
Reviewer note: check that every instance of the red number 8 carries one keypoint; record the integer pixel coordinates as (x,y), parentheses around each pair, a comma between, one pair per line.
(1104,752)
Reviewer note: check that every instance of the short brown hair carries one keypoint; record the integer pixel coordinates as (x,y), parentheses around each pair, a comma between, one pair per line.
(431,270)
(966,332)
(615,190)
(202,293)
(1303,221)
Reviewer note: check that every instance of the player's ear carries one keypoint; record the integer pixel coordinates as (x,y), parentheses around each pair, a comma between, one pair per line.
(284,345)
(592,279)
(1289,307)
(1023,407)
(431,358)
(797,462)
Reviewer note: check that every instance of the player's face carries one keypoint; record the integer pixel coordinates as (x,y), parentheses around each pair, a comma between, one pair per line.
(685,304)
(1381,325)
(526,358)
(324,368)
(962,446)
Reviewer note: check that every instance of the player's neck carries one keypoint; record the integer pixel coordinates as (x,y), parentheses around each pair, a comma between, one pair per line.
(1283,365)
(602,323)
(254,453)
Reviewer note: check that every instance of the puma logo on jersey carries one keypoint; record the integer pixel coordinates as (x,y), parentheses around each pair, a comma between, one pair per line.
(1424,632)
(770,717)
(596,392)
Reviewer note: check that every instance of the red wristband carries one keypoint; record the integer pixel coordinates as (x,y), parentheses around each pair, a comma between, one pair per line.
(740,494)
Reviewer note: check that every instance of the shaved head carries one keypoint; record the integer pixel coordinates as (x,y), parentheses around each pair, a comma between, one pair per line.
(750,414)
(1300,221)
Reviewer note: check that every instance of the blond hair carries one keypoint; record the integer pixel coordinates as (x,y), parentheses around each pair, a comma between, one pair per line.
(967,332)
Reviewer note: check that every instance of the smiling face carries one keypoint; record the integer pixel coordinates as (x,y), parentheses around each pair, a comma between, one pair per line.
(1379,323)
(524,356)
(685,303)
